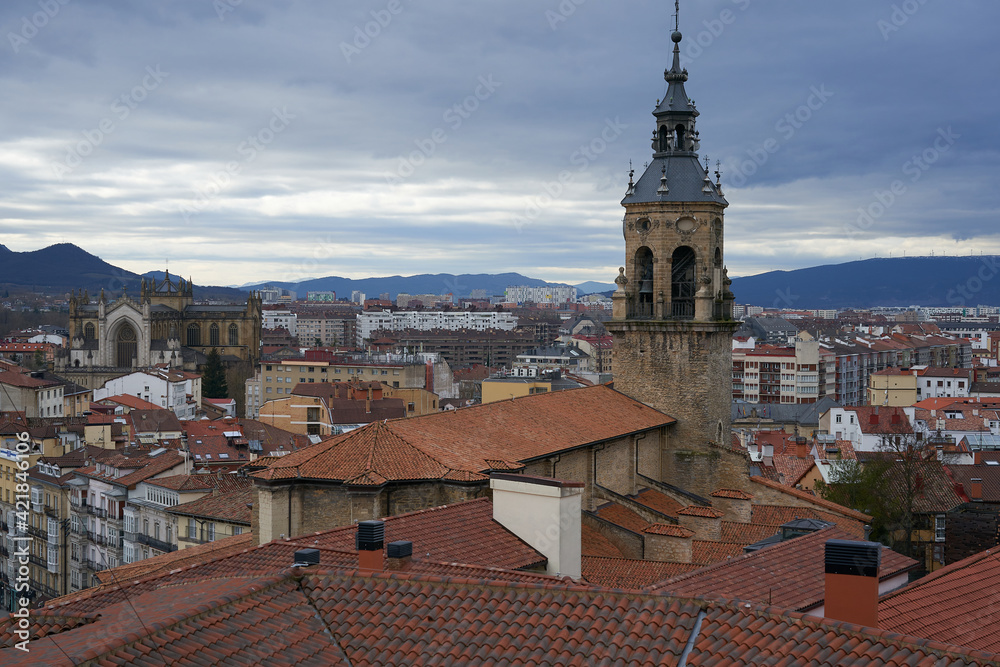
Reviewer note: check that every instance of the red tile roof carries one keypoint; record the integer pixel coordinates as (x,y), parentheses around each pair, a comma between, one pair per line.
(668,529)
(698,510)
(956,604)
(229,506)
(815,500)
(630,573)
(788,574)
(470,440)
(657,501)
(133,402)
(734,494)
(704,552)
(775,515)
(595,544)
(336,616)
(622,516)
(463,532)
(173,560)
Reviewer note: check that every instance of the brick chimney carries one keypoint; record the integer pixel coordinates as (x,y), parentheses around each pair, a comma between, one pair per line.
(706,522)
(977,457)
(801,447)
(398,555)
(369,540)
(667,543)
(976,490)
(734,504)
(545,513)
(852,581)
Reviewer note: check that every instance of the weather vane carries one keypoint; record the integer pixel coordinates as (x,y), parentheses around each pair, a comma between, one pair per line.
(677,15)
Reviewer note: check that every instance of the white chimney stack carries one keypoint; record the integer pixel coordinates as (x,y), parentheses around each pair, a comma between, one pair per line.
(545,513)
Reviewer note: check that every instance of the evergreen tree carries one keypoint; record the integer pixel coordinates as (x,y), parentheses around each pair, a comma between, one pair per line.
(213,377)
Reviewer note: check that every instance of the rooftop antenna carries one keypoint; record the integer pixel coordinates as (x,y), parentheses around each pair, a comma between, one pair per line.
(677,14)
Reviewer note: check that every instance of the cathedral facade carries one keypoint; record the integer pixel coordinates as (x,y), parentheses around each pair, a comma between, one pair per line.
(162,325)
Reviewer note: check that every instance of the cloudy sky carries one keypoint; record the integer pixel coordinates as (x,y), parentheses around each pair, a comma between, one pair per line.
(244,140)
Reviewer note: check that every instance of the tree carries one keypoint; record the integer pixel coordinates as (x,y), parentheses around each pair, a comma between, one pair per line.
(213,377)
(899,485)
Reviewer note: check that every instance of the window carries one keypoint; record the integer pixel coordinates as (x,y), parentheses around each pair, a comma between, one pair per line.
(839,418)
(234,335)
(213,335)
(192,529)
(193,334)
(237,530)
(939,528)
(210,532)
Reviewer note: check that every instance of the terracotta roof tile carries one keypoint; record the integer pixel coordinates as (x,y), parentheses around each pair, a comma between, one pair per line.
(230,506)
(787,574)
(668,529)
(734,494)
(469,439)
(705,553)
(815,500)
(630,573)
(952,605)
(657,501)
(595,544)
(698,510)
(622,516)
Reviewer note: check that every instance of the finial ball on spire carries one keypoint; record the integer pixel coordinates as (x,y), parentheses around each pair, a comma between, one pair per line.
(676,36)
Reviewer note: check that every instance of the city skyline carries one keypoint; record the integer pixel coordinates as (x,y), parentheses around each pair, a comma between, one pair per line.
(240,143)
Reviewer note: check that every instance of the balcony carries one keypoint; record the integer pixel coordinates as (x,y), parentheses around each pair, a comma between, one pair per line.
(93,566)
(165,547)
(37,560)
(97,511)
(97,538)
(38,532)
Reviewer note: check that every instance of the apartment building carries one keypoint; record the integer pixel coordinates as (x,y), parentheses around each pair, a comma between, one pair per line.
(784,375)
(370,322)
(27,392)
(544,294)
(99,493)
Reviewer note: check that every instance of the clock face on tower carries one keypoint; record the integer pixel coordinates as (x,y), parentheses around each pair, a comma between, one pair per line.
(686,225)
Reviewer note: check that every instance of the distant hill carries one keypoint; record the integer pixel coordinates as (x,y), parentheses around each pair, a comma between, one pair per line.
(896,281)
(64,267)
(439,283)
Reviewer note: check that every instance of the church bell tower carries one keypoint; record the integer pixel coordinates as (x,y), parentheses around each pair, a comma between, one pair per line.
(672,319)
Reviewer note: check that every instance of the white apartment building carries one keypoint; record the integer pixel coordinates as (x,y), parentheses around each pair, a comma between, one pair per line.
(281,319)
(168,389)
(370,322)
(546,294)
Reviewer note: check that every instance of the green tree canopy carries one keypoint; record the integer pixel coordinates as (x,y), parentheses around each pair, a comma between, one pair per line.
(213,377)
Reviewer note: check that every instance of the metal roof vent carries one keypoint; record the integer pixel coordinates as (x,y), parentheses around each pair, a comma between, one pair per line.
(370,535)
(860,559)
(400,549)
(306,557)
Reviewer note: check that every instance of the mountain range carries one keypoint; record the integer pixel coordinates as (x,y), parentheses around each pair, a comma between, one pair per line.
(898,281)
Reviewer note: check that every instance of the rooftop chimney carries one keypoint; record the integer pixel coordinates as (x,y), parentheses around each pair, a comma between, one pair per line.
(306,557)
(977,457)
(852,581)
(976,490)
(801,447)
(370,539)
(545,513)
(398,555)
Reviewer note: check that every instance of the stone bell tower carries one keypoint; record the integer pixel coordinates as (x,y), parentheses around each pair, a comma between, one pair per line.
(672,321)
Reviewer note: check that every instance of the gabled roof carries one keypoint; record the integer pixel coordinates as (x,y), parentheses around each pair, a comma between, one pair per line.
(814,500)
(955,604)
(133,402)
(335,615)
(630,573)
(231,506)
(788,574)
(471,441)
